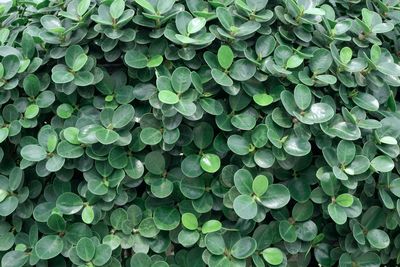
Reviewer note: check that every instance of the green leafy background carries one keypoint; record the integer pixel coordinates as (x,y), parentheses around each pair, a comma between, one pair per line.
(155,133)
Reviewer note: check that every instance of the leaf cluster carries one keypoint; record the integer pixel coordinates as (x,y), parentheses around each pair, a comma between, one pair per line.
(156,133)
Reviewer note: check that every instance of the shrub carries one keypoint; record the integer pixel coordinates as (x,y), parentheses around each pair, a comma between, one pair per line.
(153,133)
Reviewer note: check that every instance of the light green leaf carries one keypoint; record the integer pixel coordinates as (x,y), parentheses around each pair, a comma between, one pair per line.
(225,56)
(210,163)
(273,256)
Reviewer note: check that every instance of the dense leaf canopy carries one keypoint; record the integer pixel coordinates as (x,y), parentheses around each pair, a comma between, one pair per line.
(156,133)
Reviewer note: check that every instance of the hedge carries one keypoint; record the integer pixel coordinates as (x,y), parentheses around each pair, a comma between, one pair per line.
(156,133)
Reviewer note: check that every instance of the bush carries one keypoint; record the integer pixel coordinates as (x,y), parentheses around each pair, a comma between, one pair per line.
(154,133)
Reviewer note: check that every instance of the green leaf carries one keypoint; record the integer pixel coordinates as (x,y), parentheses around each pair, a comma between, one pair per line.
(74,57)
(210,163)
(337,213)
(366,101)
(244,248)
(382,27)
(69,151)
(225,56)
(203,135)
(244,121)
(264,158)
(117,8)
(31,85)
(8,205)
(65,111)
(56,222)
(97,187)
(186,108)
(378,239)
(211,226)
(296,146)
(14,259)
(259,136)
(87,215)
(215,244)
(32,111)
(49,247)
(238,145)
(181,79)
(147,228)
(287,231)
(190,221)
(146,5)
(288,101)
(102,255)
(389,68)
(45,99)
(85,249)
(321,61)
(106,136)
(243,181)
(150,136)
(155,162)
(263,99)
(191,166)
(344,200)
(185,39)
(221,77)
(260,185)
(196,25)
(276,197)
(162,188)
(375,53)
(273,256)
(83,7)
(346,54)
(166,218)
(242,70)
(395,187)
(359,165)
(62,77)
(315,11)
(302,96)
(318,113)
(245,207)
(135,59)
(165,6)
(79,62)
(294,61)
(3,134)
(52,23)
(346,130)
(71,135)
(69,203)
(33,153)
(265,45)
(122,116)
(225,17)
(155,61)
(211,106)
(382,163)
(188,238)
(168,97)
(3,194)
(346,152)
(140,260)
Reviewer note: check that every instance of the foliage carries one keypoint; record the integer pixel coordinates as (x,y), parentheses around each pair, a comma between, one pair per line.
(155,133)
